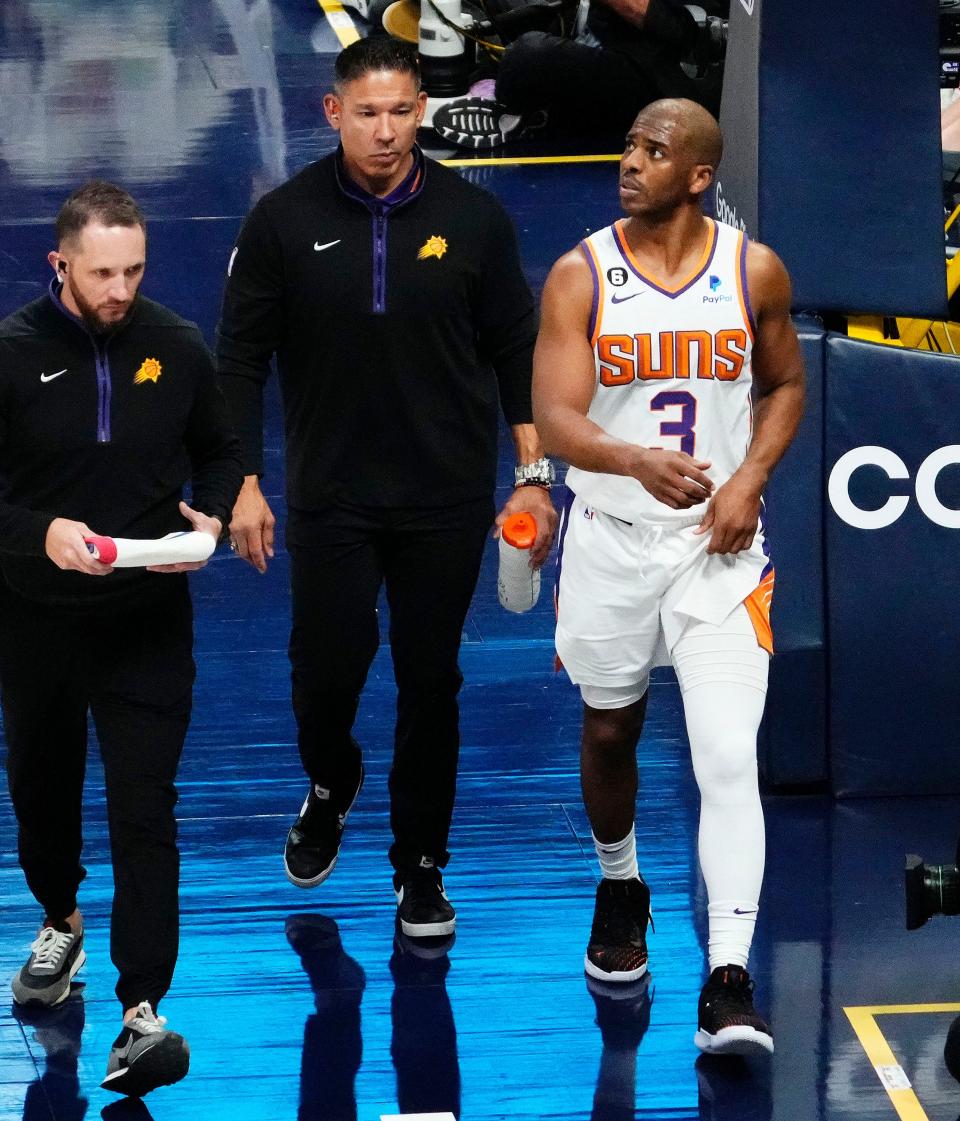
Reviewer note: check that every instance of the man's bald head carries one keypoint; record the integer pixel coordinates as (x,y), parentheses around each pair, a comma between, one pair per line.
(693,130)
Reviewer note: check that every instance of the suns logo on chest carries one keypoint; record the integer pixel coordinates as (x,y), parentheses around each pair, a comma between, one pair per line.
(433,247)
(150,370)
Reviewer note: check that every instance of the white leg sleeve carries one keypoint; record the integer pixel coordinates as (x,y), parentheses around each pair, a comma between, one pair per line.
(723,679)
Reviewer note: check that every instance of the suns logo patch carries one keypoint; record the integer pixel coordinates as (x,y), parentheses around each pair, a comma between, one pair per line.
(433,247)
(149,371)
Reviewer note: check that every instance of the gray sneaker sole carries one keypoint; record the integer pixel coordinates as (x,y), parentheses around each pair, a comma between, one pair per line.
(51,996)
(161,1065)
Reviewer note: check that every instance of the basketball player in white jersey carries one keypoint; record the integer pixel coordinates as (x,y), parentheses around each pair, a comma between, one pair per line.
(668,374)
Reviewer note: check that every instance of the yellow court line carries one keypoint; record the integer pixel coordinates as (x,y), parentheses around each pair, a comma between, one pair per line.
(341,23)
(872,1040)
(504,161)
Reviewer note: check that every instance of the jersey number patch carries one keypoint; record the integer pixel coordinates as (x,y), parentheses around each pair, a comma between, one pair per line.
(684,427)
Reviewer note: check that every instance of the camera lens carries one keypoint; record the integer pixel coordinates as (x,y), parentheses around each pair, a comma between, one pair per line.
(930,890)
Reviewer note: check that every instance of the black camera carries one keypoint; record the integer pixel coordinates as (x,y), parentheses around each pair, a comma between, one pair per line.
(931,889)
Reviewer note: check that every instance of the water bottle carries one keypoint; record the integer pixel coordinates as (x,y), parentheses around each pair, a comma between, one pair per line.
(518,585)
(175,548)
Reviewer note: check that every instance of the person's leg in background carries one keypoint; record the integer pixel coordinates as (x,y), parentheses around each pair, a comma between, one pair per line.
(580,85)
(335,578)
(431,563)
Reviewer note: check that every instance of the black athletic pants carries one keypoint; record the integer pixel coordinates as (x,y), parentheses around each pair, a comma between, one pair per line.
(429,560)
(133,671)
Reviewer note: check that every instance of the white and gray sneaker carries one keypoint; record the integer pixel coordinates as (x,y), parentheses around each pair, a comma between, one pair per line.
(145,1055)
(55,956)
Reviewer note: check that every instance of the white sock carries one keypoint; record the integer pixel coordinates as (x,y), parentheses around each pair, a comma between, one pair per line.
(731,924)
(618,861)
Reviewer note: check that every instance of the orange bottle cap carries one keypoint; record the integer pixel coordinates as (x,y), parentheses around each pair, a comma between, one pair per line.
(520,530)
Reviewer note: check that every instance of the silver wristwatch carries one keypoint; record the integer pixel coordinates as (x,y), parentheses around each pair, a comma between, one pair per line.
(540,473)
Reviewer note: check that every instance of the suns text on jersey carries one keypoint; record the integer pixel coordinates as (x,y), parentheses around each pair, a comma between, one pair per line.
(672,355)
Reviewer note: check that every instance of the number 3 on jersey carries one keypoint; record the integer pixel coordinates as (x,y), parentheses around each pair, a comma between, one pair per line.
(684,427)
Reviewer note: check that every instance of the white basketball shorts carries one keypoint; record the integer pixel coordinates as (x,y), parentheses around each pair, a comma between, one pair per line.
(625,593)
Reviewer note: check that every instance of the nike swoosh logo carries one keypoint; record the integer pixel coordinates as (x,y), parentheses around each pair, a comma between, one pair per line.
(320,248)
(749,911)
(50,377)
(623,299)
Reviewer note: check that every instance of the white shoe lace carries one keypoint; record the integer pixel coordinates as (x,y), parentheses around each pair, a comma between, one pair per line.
(48,949)
(146,1021)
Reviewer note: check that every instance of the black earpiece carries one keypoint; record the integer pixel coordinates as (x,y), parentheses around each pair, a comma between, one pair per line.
(61,266)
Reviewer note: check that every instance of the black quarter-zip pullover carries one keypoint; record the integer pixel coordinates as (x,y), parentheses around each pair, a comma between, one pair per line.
(105,429)
(397,323)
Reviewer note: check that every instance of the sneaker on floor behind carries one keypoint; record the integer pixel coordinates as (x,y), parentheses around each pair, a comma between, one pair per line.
(422,905)
(728,1024)
(617,950)
(55,956)
(145,1055)
(479,123)
(313,843)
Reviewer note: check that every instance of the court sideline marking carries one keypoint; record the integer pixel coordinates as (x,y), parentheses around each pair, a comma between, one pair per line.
(891,1074)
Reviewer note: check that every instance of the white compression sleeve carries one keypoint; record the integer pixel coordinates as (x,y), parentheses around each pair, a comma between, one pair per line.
(723,678)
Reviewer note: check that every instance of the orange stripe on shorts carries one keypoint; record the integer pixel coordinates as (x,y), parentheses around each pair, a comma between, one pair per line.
(758,604)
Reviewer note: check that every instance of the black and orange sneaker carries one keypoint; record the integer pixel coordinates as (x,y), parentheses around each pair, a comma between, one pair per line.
(728,1024)
(618,939)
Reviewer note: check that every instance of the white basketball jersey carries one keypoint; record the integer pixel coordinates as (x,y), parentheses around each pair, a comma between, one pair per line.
(673,364)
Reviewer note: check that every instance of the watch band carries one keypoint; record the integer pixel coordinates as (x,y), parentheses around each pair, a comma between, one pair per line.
(540,473)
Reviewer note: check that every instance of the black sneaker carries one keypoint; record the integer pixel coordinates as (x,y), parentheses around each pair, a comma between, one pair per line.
(617,950)
(55,956)
(145,1055)
(479,123)
(313,843)
(422,905)
(728,1024)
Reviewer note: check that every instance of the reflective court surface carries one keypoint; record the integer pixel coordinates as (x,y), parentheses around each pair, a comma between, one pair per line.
(306,1005)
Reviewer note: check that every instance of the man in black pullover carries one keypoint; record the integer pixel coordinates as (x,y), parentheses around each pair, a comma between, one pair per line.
(391,292)
(108,405)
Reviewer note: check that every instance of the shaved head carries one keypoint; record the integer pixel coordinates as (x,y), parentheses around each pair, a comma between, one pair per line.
(694,131)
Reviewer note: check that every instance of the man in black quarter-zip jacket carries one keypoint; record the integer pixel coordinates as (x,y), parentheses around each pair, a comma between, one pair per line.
(391,292)
(108,405)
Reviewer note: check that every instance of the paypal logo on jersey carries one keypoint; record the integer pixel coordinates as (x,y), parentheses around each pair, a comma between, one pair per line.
(715,284)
